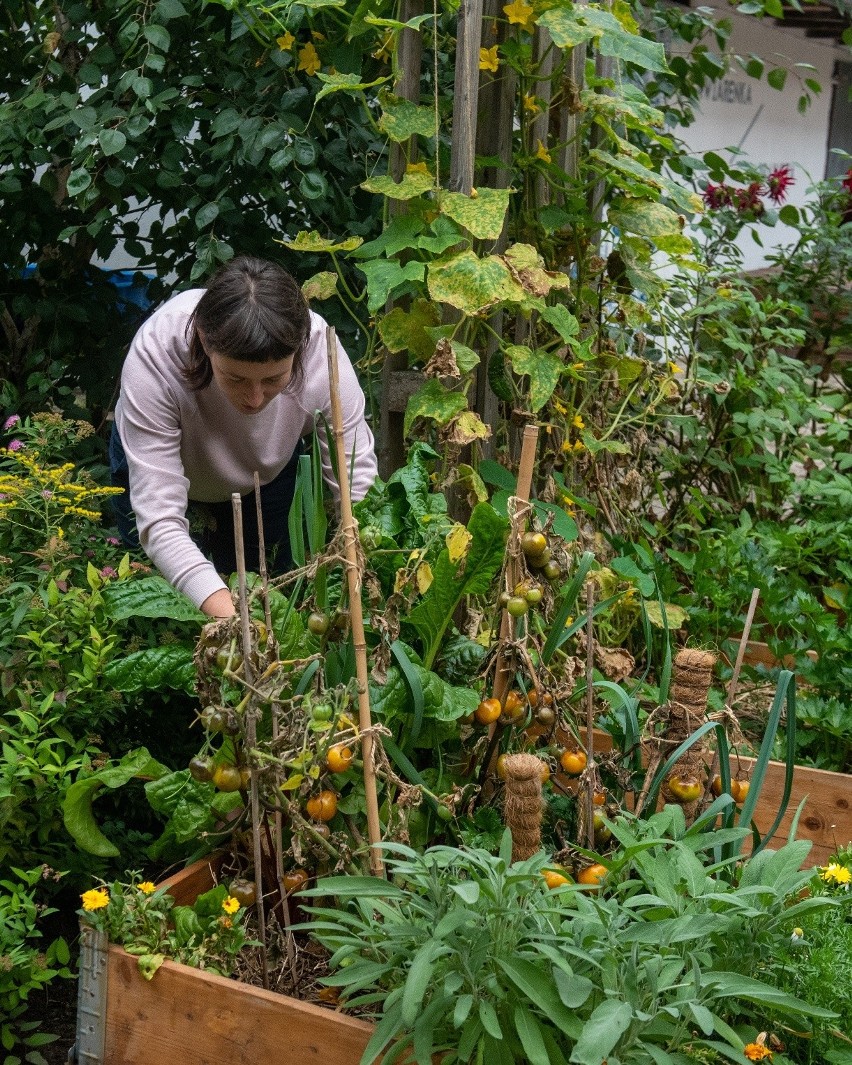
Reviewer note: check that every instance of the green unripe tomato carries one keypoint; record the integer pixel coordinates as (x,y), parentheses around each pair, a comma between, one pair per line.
(539,561)
(213,719)
(533,595)
(322,711)
(504,598)
(533,543)
(318,623)
(552,571)
(517,606)
(370,537)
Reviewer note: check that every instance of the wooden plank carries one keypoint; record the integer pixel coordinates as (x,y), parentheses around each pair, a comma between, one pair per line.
(187,884)
(191,1017)
(826,817)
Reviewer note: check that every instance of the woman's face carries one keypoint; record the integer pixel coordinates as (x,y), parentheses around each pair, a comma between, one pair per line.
(250,386)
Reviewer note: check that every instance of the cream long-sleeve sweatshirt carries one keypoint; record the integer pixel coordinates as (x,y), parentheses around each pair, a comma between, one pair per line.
(183,445)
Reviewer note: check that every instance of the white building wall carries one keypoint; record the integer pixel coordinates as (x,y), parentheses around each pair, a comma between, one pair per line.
(746,113)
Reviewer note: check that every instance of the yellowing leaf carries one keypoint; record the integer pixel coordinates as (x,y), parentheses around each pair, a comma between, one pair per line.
(424,577)
(458,543)
(482,213)
(321,286)
(293,782)
(310,240)
(675,615)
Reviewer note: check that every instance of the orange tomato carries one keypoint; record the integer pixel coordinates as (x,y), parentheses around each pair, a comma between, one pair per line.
(501,766)
(573,762)
(592,874)
(739,790)
(599,798)
(338,759)
(513,703)
(322,807)
(553,879)
(545,773)
(533,700)
(684,789)
(487,711)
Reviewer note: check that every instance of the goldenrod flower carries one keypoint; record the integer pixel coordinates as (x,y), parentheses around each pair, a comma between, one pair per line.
(285,41)
(520,14)
(147,888)
(488,59)
(95,899)
(230,905)
(542,153)
(309,60)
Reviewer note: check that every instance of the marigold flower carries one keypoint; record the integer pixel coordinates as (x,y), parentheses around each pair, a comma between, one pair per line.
(147,888)
(780,179)
(488,59)
(520,14)
(835,873)
(286,41)
(757,1052)
(230,904)
(95,899)
(309,59)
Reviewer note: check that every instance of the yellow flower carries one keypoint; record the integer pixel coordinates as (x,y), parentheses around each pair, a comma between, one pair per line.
(147,888)
(834,873)
(560,408)
(309,60)
(674,368)
(530,104)
(520,14)
(488,59)
(579,445)
(230,905)
(285,41)
(542,153)
(226,922)
(95,899)
(317,36)
(757,1052)
(578,422)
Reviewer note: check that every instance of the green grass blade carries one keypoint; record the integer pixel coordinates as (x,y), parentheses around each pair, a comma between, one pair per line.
(567,599)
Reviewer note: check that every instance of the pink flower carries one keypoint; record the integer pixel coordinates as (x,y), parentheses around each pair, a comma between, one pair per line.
(15,445)
(779,180)
(717,196)
(846,183)
(114,540)
(47,494)
(108,571)
(13,419)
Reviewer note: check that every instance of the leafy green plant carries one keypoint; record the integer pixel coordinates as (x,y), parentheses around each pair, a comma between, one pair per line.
(24,968)
(466,954)
(144,919)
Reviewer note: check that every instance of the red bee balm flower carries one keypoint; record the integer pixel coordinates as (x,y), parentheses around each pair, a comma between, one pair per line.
(717,195)
(779,180)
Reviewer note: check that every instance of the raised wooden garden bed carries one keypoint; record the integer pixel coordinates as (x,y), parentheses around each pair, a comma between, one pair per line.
(191,1017)
(185,1016)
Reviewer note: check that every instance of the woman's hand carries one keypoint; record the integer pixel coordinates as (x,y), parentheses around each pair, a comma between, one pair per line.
(219,604)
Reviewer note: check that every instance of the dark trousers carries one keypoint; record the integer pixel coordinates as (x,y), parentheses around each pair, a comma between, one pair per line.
(212,524)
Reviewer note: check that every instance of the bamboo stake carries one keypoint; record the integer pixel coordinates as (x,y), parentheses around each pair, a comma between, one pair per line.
(278,820)
(503,673)
(733,684)
(591,773)
(251,730)
(356,612)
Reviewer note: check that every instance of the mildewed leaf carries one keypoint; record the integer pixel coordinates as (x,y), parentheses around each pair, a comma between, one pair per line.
(431,616)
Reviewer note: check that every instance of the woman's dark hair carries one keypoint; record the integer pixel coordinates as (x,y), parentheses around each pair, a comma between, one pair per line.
(252,311)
